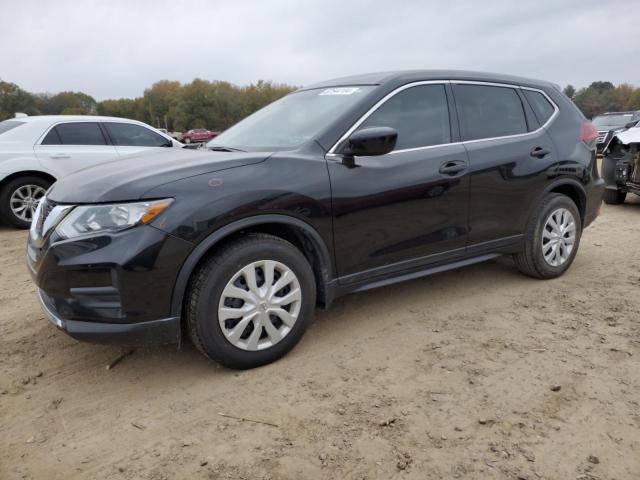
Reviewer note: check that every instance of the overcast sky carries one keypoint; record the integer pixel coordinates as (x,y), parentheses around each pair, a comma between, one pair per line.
(117,48)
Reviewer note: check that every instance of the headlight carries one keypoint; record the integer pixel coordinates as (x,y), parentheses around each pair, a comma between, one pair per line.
(85,219)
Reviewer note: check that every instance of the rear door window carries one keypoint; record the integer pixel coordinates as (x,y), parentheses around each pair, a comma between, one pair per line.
(542,108)
(131,135)
(52,138)
(420,115)
(77,133)
(488,111)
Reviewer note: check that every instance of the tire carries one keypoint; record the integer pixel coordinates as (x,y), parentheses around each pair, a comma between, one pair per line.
(10,194)
(531,261)
(208,293)
(614,197)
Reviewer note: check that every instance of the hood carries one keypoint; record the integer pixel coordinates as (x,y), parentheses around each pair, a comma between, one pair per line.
(130,177)
(631,135)
(606,128)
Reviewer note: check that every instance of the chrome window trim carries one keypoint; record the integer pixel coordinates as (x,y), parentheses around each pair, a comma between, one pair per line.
(65,122)
(51,126)
(377,105)
(369,112)
(556,109)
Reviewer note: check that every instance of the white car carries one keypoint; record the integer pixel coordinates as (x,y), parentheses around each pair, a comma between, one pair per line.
(37,151)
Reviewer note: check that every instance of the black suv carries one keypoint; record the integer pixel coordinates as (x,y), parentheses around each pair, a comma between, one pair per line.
(343,186)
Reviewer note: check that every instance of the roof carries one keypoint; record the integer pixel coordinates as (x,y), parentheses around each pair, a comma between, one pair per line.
(70,118)
(406,76)
(34,126)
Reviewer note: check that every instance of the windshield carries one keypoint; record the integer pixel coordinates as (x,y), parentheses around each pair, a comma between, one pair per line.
(289,122)
(9,125)
(613,120)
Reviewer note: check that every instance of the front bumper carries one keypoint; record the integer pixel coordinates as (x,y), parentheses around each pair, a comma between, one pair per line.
(154,332)
(111,288)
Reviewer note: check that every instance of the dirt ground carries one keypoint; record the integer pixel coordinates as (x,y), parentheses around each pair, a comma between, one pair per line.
(475,373)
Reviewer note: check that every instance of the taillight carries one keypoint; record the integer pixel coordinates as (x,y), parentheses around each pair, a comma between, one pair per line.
(589,134)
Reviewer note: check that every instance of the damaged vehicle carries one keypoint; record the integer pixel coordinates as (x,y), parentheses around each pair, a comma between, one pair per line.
(610,123)
(621,166)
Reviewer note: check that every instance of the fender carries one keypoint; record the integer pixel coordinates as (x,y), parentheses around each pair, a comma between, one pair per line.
(205,245)
(559,182)
(26,164)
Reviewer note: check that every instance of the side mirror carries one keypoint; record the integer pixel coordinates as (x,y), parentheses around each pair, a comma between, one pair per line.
(630,125)
(371,141)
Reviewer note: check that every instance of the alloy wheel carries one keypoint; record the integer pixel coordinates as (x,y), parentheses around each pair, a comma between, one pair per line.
(24,201)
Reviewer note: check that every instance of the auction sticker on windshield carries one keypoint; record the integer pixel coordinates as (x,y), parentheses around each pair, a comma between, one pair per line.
(339,91)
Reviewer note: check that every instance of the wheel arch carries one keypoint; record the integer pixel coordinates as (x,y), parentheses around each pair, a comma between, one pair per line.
(27,173)
(302,235)
(572,189)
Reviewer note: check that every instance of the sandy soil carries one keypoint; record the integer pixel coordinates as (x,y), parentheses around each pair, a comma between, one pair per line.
(451,376)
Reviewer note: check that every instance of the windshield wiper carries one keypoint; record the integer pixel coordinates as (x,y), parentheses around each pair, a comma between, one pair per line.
(225,149)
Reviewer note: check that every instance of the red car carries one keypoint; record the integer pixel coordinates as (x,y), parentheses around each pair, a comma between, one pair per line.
(199,135)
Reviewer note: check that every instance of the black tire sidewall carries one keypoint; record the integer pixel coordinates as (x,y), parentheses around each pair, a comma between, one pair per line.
(554,203)
(614,197)
(6,214)
(210,334)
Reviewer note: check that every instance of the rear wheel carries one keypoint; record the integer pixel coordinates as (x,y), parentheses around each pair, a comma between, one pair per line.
(551,239)
(250,303)
(614,197)
(19,199)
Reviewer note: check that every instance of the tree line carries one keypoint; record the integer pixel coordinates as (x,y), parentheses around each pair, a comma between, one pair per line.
(600,97)
(219,104)
(176,106)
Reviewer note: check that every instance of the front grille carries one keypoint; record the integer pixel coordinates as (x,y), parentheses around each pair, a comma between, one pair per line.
(602,135)
(43,211)
(49,214)
(47,206)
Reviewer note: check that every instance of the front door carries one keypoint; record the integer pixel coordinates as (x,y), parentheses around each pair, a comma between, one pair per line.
(130,138)
(406,209)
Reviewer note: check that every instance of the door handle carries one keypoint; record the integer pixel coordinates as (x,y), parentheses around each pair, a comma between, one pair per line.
(540,152)
(60,155)
(453,168)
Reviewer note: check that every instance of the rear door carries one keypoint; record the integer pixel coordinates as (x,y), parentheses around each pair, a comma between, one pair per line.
(408,208)
(130,138)
(70,146)
(510,154)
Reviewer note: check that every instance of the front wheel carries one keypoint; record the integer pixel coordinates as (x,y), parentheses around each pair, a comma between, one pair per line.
(250,303)
(19,199)
(614,197)
(551,239)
